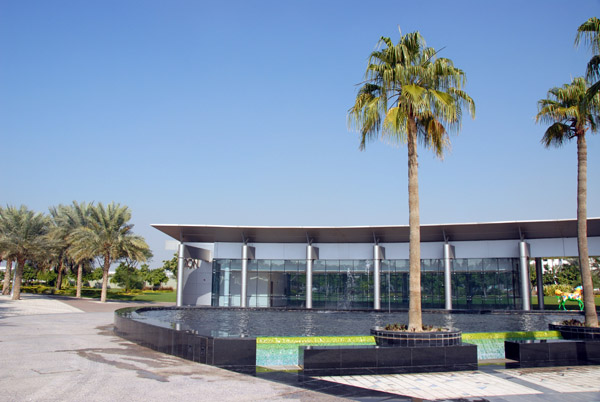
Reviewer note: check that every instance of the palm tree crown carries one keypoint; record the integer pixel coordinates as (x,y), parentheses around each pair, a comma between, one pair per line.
(568,112)
(22,237)
(589,33)
(407,89)
(109,236)
(410,95)
(67,219)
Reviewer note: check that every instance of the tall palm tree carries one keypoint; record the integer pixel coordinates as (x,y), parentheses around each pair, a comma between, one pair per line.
(108,236)
(409,95)
(22,237)
(589,32)
(570,114)
(67,219)
(59,232)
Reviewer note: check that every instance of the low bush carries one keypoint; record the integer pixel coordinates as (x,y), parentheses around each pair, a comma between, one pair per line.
(549,290)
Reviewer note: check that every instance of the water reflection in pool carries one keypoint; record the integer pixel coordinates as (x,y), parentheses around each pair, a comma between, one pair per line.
(238,322)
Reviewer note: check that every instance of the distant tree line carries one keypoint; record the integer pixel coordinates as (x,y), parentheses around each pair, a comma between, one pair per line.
(69,238)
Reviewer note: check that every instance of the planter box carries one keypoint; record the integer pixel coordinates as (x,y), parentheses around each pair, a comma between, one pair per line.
(360,360)
(410,339)
(552,352)
(576,332)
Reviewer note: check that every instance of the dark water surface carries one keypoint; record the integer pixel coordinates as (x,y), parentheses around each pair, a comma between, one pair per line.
(255,323)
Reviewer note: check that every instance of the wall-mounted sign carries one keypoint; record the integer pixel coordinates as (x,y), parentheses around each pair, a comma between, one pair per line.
(191,263)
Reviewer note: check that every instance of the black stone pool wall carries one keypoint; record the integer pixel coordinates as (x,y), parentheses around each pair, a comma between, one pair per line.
(237,354)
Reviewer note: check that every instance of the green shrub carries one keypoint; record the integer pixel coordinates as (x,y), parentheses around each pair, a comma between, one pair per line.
(549,290)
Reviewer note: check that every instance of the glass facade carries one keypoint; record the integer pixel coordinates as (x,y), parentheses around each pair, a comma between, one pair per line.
(489,283)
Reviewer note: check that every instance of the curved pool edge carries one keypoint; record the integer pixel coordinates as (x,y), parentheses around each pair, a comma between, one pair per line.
(237,354)
(269,350)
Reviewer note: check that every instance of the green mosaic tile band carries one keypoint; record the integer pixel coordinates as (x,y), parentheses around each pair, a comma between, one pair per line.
(302,340)
(511,335)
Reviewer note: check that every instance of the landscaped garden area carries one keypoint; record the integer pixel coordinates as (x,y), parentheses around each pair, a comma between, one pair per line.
(167,295)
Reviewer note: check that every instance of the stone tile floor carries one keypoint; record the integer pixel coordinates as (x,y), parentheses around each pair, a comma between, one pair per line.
(561,379)
(532,382)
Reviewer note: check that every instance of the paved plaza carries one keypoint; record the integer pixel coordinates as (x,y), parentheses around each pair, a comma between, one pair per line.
(63,349)
(553,383)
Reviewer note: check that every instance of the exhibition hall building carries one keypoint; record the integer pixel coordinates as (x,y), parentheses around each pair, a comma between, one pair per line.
(470,266)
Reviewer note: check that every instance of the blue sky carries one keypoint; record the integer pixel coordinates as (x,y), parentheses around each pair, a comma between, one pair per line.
(235,112)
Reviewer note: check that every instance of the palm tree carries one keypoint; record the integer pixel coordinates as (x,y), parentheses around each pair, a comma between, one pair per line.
(570,114)
(67,219)
(22,237)
(410,95)
(59,232)
(589,32)
(6,282)
(108,236)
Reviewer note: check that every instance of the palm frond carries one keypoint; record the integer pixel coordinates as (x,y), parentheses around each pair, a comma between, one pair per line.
(556,135)
(589,33)
(407,86)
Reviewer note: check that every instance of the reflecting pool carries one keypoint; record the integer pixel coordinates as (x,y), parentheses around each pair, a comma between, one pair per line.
(221,322)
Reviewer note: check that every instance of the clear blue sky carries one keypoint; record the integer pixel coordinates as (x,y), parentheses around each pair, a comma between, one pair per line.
(235,112)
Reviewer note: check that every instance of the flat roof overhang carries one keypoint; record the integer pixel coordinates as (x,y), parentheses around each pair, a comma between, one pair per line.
(383,234)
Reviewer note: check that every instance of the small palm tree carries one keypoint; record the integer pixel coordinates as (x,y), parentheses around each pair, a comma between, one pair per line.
(570,114)
(23,236)
(589,32)
(108,236)
(67,219)
(409,95)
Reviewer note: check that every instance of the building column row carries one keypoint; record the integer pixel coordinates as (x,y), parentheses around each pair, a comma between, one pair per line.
(312,254)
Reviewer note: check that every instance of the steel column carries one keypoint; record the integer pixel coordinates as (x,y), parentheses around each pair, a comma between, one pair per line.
(448,257)
(377,257)
(540,282)
(310,257)
(524,274)
(180,265)
(244,290)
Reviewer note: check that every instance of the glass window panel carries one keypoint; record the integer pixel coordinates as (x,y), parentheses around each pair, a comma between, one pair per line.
(346,266)
(292,266)
(490,264)
(475,264)
(277,265)
(460,265)
(332,265)
(264,265)
(236,265)
(388,265)
(402,265)
(319,266)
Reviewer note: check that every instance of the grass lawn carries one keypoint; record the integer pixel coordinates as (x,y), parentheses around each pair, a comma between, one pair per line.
(551,303)
(112,294)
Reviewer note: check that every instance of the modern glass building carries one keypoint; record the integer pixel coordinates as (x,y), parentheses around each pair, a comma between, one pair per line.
(464,266)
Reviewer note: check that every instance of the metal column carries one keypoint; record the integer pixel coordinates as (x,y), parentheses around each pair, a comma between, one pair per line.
(378,255)
(244,291)
(311,256)
(540,282)
(448,257)
(180,265)
(524,274)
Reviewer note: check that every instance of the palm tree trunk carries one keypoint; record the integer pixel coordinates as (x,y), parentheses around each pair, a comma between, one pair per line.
(414,303)
(18,278)
(591,318)
(79,277)
(105,278)
(59,276)
(6,284)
